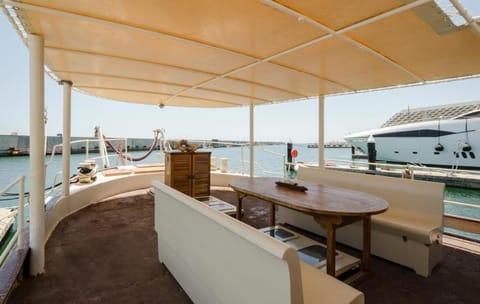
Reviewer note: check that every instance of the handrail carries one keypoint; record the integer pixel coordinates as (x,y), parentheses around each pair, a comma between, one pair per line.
(461,204)
(54,184)
(463,223)
(403,166)
(278,155)
(19,234)
(87,141)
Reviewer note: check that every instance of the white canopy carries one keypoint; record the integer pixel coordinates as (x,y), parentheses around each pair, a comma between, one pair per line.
(223,53)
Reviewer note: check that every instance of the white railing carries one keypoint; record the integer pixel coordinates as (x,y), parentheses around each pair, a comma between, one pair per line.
(242,161)
(87,147)
(19,212)
(87,142)
(414,167)
(461,222)
(283,163)
(462,204)
(54,185)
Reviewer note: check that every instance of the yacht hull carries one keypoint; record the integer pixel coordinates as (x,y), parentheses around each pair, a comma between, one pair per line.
(448,143)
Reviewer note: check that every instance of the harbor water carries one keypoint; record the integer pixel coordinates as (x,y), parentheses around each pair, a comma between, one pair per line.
(269,161)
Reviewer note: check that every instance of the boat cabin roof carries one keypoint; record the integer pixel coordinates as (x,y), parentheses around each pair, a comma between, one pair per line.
(216,53)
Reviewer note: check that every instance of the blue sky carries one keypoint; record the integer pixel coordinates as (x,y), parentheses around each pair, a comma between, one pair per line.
(295,121)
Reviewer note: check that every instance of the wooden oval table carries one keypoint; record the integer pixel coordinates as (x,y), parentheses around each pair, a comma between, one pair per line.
(331,207)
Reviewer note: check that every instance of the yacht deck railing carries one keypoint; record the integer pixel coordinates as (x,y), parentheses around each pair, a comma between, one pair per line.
(413,167)
(19,213)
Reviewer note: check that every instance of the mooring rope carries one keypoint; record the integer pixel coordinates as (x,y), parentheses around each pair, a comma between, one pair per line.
(131,158)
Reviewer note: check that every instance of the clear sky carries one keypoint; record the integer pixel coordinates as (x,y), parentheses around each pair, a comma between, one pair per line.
(295,121)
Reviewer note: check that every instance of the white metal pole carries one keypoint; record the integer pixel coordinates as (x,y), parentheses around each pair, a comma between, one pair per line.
(463,12)
(67,114)
(252,158)
(21,214)
(321,128)
(37,156)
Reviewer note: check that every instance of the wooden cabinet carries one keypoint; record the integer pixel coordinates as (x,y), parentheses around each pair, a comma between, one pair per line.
(188,172)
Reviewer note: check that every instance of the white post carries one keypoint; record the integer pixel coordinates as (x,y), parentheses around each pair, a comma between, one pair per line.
(252,158)
(321,129)
(37,156)
(67,113)
(21,214)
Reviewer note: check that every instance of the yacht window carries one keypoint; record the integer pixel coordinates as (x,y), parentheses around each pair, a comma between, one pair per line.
(464,155)
(436,153)
(396,152)
(472,155)
(456,154)
(415,152)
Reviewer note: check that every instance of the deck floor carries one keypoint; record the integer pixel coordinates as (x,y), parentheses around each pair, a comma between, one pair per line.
(106,253)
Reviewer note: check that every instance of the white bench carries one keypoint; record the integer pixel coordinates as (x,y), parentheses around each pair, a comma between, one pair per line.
(218,259)
(408,233)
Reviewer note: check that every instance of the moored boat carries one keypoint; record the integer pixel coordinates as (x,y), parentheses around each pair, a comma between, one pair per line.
(432,141)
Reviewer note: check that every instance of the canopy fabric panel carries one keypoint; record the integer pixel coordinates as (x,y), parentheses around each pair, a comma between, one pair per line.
(216,53)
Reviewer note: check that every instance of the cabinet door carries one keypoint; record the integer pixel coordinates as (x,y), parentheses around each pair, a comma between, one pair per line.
(201,174)
(180,172)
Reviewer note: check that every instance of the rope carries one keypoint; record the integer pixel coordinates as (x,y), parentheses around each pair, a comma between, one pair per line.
(131,158)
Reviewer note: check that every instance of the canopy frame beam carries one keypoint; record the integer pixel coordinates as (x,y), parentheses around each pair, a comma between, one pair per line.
(300,95)
(339,33)
(463,12)
(152,33)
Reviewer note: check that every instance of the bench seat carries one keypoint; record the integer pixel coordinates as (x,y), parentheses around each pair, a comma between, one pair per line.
(218,259)
(408,233)
(410,228)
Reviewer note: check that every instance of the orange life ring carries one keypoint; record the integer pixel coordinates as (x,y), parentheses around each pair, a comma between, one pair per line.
(294,153)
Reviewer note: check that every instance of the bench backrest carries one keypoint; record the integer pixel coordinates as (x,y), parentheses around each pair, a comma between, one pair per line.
(405,197)
(217,259)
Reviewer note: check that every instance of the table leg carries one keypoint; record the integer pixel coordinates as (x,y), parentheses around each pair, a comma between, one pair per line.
(331,244)
(272,215)
(239,205)
(330,224)
(367,235)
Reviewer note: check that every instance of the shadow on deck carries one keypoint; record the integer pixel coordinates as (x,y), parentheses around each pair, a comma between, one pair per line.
(107,253)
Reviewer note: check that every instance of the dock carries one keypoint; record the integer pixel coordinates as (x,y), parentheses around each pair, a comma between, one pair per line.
(460,179)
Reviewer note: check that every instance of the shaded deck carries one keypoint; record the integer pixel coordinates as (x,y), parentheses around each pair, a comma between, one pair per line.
(106,253)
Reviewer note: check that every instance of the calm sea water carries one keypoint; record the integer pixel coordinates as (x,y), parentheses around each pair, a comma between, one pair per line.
(268,162)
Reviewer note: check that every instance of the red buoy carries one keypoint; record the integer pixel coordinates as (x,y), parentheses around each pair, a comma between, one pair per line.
(294,153)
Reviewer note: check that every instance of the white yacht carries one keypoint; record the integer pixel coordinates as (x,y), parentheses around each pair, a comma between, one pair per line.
(452,142)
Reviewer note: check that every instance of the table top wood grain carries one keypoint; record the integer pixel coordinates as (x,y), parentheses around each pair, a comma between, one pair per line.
(318,199)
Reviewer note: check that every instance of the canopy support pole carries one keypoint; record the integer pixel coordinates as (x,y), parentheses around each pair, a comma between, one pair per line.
(37,156)
(252,158)
(66,145)
(321,128)
(463,12)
